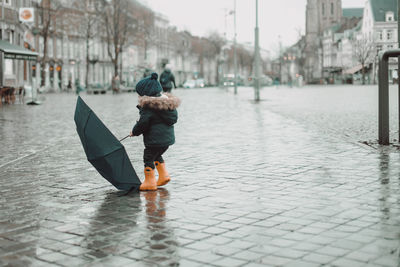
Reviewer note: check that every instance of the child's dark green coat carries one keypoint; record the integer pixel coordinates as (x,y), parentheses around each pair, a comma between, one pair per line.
(157,118)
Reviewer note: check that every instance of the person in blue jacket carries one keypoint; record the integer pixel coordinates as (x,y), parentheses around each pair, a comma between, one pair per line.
(158,115)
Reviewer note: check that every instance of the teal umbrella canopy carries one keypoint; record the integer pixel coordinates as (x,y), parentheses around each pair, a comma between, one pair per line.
(103,150)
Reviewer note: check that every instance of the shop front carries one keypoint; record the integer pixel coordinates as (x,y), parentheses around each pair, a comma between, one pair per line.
(16,64)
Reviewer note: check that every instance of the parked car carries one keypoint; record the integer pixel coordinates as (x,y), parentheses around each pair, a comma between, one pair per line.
(200,83)
(189,84)
(229,83)
(96,89)
(123,87)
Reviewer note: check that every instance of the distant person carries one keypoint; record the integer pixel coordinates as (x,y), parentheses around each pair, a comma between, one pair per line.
(69,86)
(167,79)
(147,73)
(156,123)
(78,87)
(115,84)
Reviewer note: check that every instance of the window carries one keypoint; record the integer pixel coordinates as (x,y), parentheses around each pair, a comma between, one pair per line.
(7,2)
(71,49)
(9,36)
(77,50)
(389,16)
(332,7)
(380,35)
(389,46)
(8,67)
(389,34)
(379,48)
(83,47)
(41,45)
(323,9)
(59,48)
(50,47)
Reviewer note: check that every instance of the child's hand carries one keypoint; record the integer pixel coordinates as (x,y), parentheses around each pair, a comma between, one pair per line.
(131,134)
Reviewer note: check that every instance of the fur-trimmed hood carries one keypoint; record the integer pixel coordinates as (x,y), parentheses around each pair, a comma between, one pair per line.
(164,102)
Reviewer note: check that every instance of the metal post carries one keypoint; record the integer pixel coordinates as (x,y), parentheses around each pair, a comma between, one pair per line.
(383,100)
(2,67)
(257,59)
(234,50)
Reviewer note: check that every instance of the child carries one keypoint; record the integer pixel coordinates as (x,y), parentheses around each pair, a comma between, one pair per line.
(157,118)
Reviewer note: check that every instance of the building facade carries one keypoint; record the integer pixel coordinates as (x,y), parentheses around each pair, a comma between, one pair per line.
(320,15)
(14,31)
(379,30)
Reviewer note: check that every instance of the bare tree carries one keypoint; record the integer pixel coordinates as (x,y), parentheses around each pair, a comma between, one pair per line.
(86,25)
(117,21)
(47,12)
(198,49)
(182,45)
(363,52)
(144,26)
(245,59)
(218,42)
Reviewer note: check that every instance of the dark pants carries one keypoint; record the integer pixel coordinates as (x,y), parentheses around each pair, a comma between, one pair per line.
(152,154)
(166,90)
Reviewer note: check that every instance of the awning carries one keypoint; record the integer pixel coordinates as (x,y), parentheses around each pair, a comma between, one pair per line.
(332,69)
(12,51)
(353,69)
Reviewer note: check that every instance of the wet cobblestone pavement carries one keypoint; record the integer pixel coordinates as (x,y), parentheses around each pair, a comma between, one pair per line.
(249,188)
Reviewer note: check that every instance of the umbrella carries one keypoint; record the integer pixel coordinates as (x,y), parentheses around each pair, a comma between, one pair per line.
(103,150)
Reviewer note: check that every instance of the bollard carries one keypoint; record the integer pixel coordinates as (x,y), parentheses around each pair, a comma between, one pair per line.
(384,94)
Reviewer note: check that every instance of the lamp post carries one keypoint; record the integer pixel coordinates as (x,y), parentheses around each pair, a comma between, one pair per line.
(257,59)
(234,50)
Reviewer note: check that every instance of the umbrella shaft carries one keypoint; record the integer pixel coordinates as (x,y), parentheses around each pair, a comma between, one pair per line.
(124,138)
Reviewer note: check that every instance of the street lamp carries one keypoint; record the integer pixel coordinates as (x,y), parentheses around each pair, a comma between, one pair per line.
(234,50)
(257,59)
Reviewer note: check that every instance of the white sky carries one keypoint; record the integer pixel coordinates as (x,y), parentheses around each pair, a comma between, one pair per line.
(284,18)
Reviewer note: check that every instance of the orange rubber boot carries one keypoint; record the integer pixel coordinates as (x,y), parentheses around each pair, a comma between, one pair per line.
(149,180)
(163,176)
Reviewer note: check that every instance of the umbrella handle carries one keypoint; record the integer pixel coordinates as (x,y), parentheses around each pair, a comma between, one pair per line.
(124,138)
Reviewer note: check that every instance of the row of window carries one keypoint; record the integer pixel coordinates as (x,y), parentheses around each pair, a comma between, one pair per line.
(16,3)
(389,35)
(6,2)
(389,46)
(332,9)
(72,49)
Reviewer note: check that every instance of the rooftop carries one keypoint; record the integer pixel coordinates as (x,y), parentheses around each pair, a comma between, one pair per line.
(353,12)
(380,7)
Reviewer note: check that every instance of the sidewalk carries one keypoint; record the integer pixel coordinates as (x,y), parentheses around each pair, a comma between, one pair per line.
(249,188)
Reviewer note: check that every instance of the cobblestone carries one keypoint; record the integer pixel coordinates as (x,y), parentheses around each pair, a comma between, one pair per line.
(249,187)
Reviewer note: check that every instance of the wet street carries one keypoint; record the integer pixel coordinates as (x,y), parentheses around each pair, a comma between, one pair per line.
(351,112)
(283,182)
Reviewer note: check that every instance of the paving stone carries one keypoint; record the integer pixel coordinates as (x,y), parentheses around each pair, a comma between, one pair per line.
(319,258)
(229,262)
(247,255)
(258,189)
(205,257)
(342,262)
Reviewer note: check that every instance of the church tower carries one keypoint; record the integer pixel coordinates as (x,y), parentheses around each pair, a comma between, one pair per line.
(320,15)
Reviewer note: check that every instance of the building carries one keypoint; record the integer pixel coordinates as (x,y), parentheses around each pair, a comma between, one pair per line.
(379,32)
(289,68)
(70,50)
(16,59)
(320,15)
(338,46)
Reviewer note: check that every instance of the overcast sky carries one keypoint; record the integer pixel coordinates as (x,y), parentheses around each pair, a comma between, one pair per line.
(283,19)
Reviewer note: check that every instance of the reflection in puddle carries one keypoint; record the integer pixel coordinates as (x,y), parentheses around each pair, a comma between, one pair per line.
(134,229)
